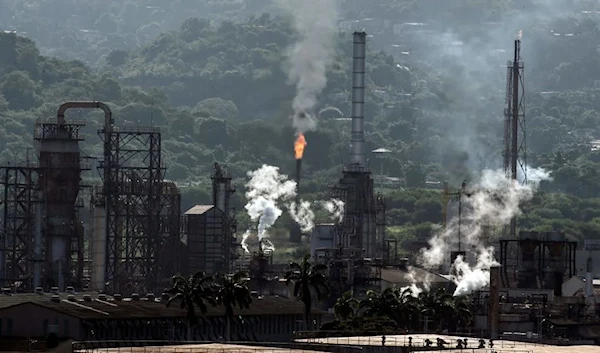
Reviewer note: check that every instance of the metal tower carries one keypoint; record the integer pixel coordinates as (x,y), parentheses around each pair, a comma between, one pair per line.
(222,190)
(19,183)
(515,143)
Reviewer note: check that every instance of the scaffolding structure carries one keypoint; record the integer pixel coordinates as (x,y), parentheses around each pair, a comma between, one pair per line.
(19,182)
(136,217)
(223,188)
(135,202)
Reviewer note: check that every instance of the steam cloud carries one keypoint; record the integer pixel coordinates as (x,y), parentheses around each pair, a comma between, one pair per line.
(309,58)
(265,189)
(303,215)
(493,202)
(335,208)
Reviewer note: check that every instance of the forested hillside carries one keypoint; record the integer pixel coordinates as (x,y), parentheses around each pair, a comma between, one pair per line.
(217,88)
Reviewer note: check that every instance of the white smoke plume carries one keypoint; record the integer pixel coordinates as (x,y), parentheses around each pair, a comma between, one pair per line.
(244,242)
(265,188)
(315,22)
(469,279)
(303,215)
(492,203)
(534,175)
(335,208)
(415,290)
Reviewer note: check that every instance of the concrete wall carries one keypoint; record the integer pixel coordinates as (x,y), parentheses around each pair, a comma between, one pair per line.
(29,320)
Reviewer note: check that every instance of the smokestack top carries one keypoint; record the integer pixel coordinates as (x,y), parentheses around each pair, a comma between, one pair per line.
(358,99)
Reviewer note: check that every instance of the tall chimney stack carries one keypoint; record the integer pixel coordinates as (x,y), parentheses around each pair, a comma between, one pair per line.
(358,99)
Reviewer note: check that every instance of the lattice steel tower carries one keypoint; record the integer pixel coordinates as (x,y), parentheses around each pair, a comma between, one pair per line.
(515,142)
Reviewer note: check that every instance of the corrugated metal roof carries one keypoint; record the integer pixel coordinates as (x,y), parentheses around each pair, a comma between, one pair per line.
(145,309)
(199,209)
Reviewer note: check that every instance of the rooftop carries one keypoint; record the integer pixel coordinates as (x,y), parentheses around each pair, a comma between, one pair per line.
(92,306)
(199,209)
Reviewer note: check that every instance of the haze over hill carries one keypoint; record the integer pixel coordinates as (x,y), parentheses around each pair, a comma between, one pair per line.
(217,87)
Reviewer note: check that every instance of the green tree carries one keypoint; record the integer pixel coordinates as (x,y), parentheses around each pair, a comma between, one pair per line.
(345,306)
(231,291)
(307,277)
(195,291)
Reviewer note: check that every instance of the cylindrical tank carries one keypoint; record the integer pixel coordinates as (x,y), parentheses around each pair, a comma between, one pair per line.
(554,272)
(98,245)
(528,244)
(59,182)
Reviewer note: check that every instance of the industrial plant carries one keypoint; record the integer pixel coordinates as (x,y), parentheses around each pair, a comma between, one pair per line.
(136,236)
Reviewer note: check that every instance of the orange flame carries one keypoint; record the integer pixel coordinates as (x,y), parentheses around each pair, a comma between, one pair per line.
(299,145)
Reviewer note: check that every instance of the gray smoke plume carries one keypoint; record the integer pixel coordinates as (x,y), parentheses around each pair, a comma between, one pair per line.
(315,22)
(472,122)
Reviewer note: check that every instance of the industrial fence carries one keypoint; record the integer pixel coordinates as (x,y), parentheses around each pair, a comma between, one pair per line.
(468,340)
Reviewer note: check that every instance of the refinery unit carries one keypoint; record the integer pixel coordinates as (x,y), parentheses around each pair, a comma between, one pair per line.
(137,236)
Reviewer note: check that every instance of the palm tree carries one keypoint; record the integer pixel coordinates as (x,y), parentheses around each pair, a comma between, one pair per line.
(230,291)
(445,310)
(307,276)
(345,306)
(192,292)
(379,304)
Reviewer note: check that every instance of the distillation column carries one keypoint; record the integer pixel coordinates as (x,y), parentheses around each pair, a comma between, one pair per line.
(60,175)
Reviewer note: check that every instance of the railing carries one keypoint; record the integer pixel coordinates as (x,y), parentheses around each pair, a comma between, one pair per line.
(417,340)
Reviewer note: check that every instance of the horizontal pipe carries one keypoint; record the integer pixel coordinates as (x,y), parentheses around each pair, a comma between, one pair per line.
(108,118)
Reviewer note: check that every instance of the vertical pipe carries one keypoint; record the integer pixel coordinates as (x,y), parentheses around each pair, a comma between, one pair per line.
(358,99)
(515,112)
(3,234)
(37,245)
(589,279)
(515,126)
(98,245)
(494,312)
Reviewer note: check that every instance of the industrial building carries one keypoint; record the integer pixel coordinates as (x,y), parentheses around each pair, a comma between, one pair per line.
(134,232)
(356,248)
(134,238)
(210,244)
(544,286)
(100,317)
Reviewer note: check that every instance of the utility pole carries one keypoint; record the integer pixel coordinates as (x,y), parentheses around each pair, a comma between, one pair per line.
(515,144)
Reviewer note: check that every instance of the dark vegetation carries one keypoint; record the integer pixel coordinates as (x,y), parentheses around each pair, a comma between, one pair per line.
(217,89)
(401,309)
